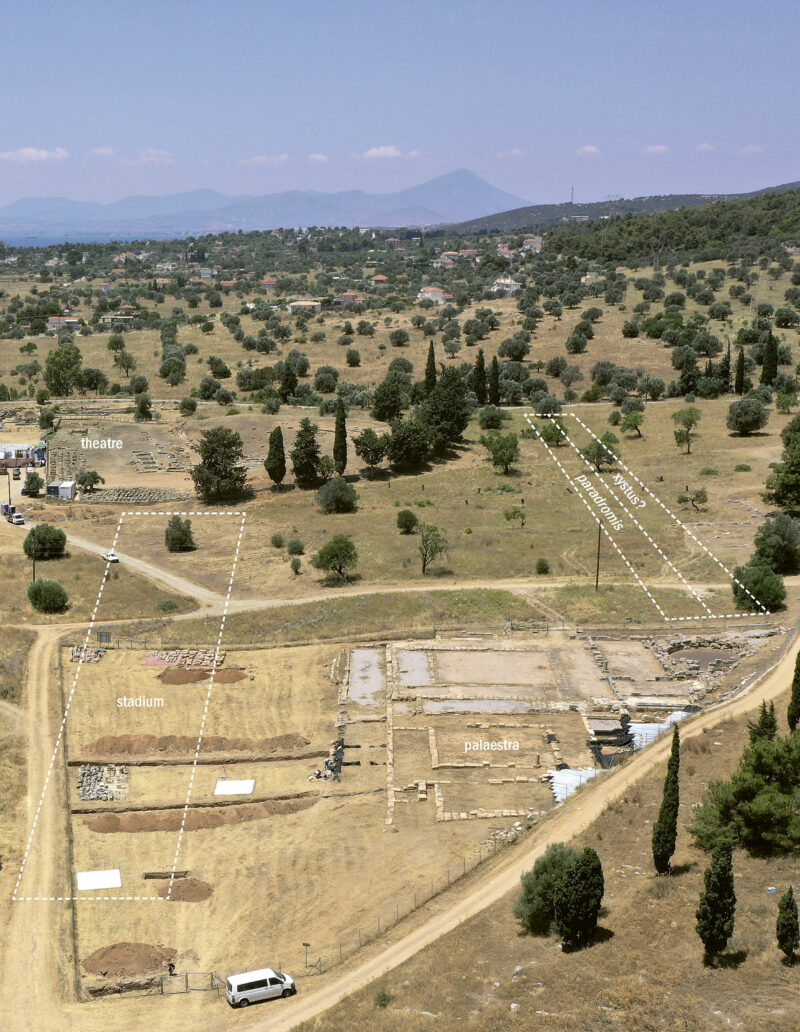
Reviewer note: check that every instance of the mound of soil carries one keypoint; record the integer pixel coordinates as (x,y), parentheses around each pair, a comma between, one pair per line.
(180,675)
(143,745)
(186,890)
(200,817)
(129,958)
(230,675)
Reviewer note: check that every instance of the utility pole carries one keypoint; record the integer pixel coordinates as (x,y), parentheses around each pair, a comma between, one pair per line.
(597,574)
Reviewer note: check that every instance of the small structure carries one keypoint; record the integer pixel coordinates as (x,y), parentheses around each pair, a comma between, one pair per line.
(505,286)
(305,305)
(434,294)
(66,490)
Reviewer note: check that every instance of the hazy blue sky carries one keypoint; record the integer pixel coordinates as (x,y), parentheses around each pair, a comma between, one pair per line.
(104,99)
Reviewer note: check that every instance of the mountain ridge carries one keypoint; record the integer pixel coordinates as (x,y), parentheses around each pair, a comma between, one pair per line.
(451,197)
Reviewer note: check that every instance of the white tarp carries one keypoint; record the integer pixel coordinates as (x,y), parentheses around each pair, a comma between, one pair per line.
(564,782)
(645,733)
(99,879)
(227,787)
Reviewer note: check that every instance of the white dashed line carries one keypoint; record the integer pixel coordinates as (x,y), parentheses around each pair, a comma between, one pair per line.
(672,515)
(597,519)
(671,619)
(205,709)
(16,898)
(64,719)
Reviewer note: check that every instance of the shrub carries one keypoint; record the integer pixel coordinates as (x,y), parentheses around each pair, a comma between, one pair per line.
(167,605)
(296,547)
(48,596)
(188,406)
(295,564)
(709,471)
(45,542)
(742,467)
(535,907)
(178,535)
(756,583)
(277,541)
(337,496)
(491,417)
(383,998)
(542,567)
(406,521)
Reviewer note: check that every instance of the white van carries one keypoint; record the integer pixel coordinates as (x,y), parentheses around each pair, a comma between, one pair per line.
(253,986)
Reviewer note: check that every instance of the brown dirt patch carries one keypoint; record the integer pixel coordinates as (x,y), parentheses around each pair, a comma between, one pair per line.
(199,818)
(180,675)
(142,745)
(230,675)
(186,890)
(128,958)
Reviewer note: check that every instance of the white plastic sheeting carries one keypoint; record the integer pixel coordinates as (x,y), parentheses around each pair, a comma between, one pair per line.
(99,879)
(564,782)
(225,786)
(644,734)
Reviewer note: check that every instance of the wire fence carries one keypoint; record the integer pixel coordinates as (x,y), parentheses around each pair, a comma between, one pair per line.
(317,960)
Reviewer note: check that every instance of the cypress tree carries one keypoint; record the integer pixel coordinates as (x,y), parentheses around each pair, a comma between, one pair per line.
(288,383)
(787,928)
(769,369)
(494,382)
(715,914)
(793,713)
(725,370)
(665,830)
(340,439)
(275,462)
(430,370)
(766,727)
(738,383)
(306,454)
(479,378)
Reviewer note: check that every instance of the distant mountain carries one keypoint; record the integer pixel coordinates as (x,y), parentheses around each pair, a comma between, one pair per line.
(543,216)
(453,197)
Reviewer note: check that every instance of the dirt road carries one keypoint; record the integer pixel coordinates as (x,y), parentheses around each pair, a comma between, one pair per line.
(567,822)
(154,572)
(38,953)
(38,942)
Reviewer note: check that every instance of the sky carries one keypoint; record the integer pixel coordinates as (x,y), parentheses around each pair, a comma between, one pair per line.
(102,100)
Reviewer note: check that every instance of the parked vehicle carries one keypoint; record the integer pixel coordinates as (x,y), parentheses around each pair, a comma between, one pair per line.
(16,475)
(110,557)
(16,518)
(254,986)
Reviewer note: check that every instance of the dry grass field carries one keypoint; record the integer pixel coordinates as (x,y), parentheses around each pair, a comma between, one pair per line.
(12,785)
(645,969)
(467,499)
(286,855)
(125,595)
(376,352)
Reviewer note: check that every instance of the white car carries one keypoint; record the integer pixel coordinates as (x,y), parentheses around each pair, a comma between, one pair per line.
(110,557)
(254,986)
(17,519)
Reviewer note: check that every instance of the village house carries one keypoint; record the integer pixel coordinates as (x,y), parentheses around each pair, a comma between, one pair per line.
(434,294)
(62,322)
(304,305)
(505,286)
